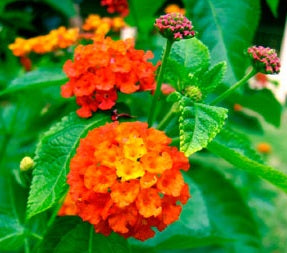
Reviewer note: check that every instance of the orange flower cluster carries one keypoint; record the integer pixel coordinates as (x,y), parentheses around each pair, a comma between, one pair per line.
(125,178)
(171,8)
(102,68)
(119,6)
(103,25)
(56,39)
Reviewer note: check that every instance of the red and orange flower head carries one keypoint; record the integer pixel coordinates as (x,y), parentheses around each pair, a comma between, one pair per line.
(119,6)
(264,59)
(101,69)
(174,26)
(125,178)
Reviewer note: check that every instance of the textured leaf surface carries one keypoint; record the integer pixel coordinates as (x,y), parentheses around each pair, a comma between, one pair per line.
(227,211)
(212,78)
(235,149)
(227,28)
(187,56)
(191,54)
(11,233)
(36,79)
(53,155)
(198,124)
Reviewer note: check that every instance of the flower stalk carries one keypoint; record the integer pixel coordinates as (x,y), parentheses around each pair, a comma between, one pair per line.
(159,81)
(225,94)
(166,119)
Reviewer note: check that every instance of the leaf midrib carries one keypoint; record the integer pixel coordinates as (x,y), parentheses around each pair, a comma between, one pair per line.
(220,32)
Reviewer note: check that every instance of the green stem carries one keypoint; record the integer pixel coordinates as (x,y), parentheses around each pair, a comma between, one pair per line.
(26,245)
(166,119)
(39,237)
(234,87)
(53,216)
(159,80)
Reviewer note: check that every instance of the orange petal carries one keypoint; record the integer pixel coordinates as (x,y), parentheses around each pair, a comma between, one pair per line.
(149,203)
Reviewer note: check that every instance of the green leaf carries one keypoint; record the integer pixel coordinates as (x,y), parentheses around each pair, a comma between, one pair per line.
(227,211)
(262,102)
(273,5)
(142,15)
(3,4)
(146,8)
(11,233)
(191,54)
(198,124)
(227,28)
(235,149)
(61,226)
(187,56)
(212,78)
(53,156)
(64,6)
(70,234)
(36,79)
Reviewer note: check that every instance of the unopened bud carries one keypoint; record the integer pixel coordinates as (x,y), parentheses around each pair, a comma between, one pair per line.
(194,93)
(264,59)
(26,163)
(174,26)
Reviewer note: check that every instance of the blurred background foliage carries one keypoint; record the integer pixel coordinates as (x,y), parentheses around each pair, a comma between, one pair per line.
(33,106)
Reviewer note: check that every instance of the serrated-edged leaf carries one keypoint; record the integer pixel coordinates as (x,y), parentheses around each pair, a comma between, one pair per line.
(82,238)
(212,78)
(233,148)
(186,56)
(36,79)
(53,155)
(198,124)
(11,233)
(227,211)
(227,28)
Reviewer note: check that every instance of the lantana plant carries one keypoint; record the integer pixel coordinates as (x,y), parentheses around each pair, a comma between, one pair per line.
(126,158)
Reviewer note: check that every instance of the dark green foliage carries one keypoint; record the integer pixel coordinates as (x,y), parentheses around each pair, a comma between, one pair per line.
(232,187)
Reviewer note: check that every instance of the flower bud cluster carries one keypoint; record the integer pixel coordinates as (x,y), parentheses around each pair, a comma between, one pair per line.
(174,26)
(265,59)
